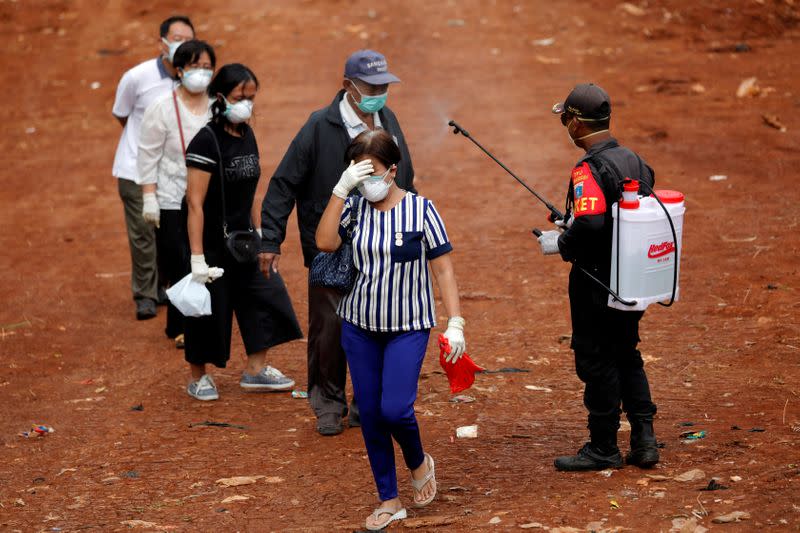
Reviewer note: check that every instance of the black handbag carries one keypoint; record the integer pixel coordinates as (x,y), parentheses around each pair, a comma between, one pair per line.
(336,270)
(243,245)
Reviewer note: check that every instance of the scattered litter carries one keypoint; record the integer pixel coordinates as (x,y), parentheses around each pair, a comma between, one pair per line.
(606,473)
(748,87)
(131,474)
(506,370)
(462,398)
(692,475)
(658,477)
(537,388)
(736,478)
(137,407)
(685,424)
(30,130)
(693,435)
(236,498)
(757,430)
(495,520)
(19,502)
(467,432)
(36,431)
(531,525)
(698,88)
(95,85)
(98,390)
(111,479)
(687,525)
(209,423)
(548,60)
(774,122)
(238,480)
(614,504)
(718,177)
(752,238)
(735,516)
(713,485)
(631,9)
(274,479)
(299,394)
(543,42)
(64,470)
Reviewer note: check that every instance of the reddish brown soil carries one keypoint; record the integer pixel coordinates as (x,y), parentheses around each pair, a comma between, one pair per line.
(727,354)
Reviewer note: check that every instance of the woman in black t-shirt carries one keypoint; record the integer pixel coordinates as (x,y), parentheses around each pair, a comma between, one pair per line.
(262,306)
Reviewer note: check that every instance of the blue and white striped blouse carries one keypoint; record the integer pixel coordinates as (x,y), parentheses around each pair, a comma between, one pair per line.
(391,249)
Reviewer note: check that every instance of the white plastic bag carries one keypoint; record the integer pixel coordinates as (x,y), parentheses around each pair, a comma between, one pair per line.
(190,297)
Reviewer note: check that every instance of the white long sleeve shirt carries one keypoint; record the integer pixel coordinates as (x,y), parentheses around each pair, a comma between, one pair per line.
(160,158)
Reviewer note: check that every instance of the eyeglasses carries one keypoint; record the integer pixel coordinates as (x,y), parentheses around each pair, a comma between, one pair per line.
(565,118)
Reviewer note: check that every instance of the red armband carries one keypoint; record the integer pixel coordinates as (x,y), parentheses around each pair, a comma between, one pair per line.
(588,197)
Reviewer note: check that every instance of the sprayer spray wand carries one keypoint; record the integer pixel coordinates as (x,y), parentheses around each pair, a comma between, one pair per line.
(555,213)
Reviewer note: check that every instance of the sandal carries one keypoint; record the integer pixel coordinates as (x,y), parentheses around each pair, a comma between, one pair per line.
(419,484)
(399,515)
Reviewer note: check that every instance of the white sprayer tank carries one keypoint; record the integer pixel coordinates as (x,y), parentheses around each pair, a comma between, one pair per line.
(646,248)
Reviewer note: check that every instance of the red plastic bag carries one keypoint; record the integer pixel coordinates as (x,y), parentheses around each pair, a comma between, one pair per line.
(460,374)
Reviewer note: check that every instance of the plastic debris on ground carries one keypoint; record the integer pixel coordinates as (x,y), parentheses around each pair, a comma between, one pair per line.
(37,431)
(606,473)
(718,177)
(614,504)
(735,516)
(691,475)
(748,87)
(209,423)
(462,398)
(138,407)
(693,435)
(299,394)
(774,122)
(543,42)
(713,485)
(238,480)
(467,432)
(537,388)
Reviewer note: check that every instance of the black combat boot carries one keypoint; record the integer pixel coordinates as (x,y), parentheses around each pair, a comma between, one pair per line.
(596,455)
(644,452)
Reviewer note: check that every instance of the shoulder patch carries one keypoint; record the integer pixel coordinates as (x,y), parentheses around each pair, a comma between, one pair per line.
(587,195)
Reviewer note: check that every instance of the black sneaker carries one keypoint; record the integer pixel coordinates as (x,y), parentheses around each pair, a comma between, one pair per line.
(330,424)
(643,457)
(588,458)
(145,309)
(353,417)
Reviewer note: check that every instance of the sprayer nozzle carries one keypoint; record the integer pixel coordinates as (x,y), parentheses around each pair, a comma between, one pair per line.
(458,129)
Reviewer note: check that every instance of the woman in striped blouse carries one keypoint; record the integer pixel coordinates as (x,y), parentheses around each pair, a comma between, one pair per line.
(389,313)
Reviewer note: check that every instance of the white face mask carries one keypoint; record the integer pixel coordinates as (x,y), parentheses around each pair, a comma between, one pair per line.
(196,80)
(575,141)
(173,47)
(239,112)
(374,189)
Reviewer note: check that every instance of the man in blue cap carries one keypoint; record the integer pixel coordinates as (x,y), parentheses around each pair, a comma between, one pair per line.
(306,176)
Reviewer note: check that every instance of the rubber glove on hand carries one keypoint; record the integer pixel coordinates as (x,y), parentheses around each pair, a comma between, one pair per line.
(455,337)
(565,224)
(548,240)
(201,272)
(352,177)
(150,211)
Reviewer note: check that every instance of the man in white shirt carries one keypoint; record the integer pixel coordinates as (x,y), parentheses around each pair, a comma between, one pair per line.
(137,89)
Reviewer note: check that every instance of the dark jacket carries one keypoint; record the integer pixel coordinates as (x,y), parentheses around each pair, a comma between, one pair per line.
(588,241)
(310,169)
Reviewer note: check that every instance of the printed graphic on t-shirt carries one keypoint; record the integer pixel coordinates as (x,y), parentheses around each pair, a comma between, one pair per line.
(242,167)
(587,195)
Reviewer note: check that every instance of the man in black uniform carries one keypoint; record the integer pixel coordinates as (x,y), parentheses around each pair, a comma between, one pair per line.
(604,339)
(306,176)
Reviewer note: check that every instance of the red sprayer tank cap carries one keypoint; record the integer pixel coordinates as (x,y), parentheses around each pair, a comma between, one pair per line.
(670,197)
(630,195)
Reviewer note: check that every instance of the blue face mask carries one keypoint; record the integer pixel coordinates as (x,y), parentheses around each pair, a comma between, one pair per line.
(371,104)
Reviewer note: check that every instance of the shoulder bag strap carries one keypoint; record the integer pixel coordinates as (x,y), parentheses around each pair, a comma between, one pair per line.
(221,180)
(180,126)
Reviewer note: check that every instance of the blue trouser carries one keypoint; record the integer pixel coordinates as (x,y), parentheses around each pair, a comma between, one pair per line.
(384,369)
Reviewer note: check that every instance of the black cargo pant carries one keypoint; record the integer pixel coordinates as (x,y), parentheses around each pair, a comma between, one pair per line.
(327,364)
(607,361)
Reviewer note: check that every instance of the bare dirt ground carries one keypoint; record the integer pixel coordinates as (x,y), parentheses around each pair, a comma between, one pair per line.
(726,356)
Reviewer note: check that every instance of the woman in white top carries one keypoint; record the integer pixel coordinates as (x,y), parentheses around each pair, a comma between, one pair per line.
(388,314)
(169,124)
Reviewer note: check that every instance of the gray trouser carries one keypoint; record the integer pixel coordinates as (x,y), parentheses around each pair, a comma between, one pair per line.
(142,241)
(327,365)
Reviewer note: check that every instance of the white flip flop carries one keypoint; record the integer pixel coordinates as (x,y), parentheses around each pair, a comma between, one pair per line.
(399,515)
(419,484)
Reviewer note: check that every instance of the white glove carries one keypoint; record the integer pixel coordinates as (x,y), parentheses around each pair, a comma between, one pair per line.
(565,224)
(548,240)
(455,337)
(150,210)
(201,272)
(352,177)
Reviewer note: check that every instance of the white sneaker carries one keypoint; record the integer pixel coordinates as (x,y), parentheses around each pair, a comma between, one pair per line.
(270,379)
(203,389)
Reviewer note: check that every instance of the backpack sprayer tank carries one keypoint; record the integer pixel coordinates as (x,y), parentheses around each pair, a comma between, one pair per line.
(643,259)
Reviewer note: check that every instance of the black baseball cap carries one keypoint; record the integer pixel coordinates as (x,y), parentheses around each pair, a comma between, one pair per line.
(369,66)
(587,101)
